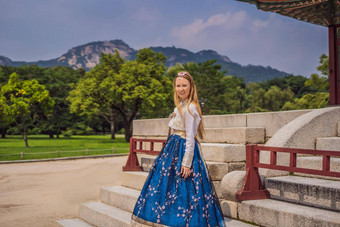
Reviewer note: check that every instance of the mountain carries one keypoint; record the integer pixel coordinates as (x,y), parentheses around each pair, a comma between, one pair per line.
(88,55)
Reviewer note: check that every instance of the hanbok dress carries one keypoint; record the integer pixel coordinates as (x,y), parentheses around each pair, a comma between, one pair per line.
(167,199)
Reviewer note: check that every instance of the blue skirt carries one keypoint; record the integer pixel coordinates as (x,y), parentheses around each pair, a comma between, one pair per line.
(168,200)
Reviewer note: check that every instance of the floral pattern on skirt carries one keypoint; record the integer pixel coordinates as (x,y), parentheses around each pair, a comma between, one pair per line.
(167,199)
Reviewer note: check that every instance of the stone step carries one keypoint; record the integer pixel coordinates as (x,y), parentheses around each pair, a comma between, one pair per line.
(73,223)
(235,135)
(315,162)
(103,215)
(134,180)
(236,223)
(307,191)
(328,143)
(338,128)
(274,213)
(217,170)
(223,152)
(147,162)
(119,196)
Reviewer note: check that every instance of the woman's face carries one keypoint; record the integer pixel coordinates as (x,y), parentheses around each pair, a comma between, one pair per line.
(182,88)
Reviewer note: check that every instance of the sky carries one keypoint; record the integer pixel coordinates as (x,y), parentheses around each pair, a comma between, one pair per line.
(45,29)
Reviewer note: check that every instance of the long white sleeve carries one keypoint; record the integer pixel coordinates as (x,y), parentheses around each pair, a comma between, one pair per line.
(191,123)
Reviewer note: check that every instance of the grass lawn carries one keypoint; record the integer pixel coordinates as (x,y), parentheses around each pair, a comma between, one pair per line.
(48,148)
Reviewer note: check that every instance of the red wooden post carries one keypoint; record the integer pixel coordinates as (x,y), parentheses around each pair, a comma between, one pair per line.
(292,162)
(334,78)
(326,162)
(132,163)
(273,157)
(252,186)
(140,145)
(151,146)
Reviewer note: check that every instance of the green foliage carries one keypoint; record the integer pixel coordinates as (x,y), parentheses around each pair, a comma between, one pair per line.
(257,101)
(317,82)
(78,129)
(94,94)
(5,119)
(295,83)
(324,65)
(24,99)
(58,81)
(228,94)
(118,88)
(117,91)
(308,101)
(67,133)
(275,98)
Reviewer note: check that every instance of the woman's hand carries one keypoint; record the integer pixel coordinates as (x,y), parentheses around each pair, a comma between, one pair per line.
(185,172)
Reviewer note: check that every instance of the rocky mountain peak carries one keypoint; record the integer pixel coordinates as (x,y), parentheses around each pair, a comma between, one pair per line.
(4,60)
(88,56)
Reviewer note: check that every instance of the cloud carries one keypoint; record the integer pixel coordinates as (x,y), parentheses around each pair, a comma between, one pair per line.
(258,25)
(267,39)
(199,27)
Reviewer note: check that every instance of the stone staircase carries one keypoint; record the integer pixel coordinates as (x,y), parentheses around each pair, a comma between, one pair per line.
(306,191)
(295,200)
(270,212)
(300,199)
(224,151)
(116,205)
(329,143)
(315,162)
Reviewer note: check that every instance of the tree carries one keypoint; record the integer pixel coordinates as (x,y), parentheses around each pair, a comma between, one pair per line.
(256,98)
(118,87)
(308,101)
(275,98)
(93,96)
(323,68)
(320,82)
(59,82)
(4,118)
(140,84)
(24,100)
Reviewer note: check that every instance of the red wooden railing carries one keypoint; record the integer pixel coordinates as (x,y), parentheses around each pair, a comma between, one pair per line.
(252,186)
(136,145)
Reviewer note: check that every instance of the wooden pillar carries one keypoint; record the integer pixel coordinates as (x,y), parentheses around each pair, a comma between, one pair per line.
(334,64)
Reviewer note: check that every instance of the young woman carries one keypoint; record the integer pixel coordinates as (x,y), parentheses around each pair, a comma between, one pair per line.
(178,191)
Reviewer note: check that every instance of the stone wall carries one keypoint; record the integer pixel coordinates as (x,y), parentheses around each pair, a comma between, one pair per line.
(271,121)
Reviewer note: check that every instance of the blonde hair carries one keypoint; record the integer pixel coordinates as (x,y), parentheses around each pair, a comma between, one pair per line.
(191,99)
